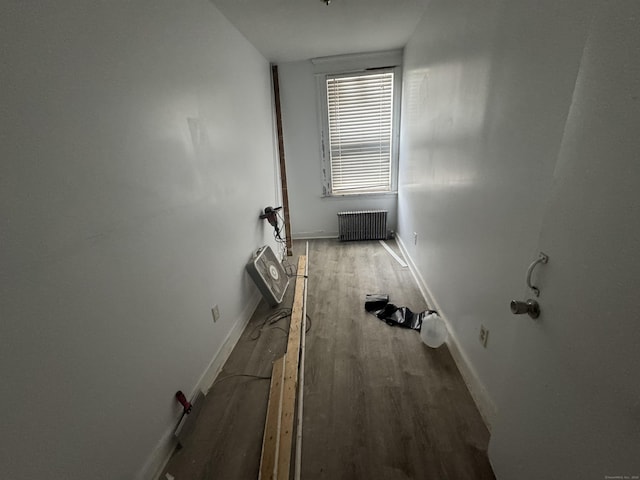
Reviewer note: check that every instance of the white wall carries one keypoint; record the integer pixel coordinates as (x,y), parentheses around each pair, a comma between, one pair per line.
(137,153)
(487,89)
(573,401)
(313,215)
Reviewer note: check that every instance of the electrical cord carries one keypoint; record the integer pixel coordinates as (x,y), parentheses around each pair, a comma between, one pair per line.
(277,230)
(277,236)
(280,328)
(257,377)
(282,220)
(290,269)
(287,331)
(270,320)
(282,243)
(282,248)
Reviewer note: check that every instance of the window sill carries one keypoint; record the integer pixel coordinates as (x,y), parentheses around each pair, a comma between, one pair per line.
(369,194)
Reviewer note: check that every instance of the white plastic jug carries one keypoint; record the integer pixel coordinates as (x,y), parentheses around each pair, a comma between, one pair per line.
(433,331)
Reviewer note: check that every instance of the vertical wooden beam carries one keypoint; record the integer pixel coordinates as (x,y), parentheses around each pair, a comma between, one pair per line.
(283,169)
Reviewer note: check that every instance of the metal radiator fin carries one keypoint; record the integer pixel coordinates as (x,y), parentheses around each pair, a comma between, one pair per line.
(362,225)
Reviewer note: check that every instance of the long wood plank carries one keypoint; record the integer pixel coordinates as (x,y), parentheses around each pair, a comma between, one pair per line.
(271,440)
(292,359)
(283,168)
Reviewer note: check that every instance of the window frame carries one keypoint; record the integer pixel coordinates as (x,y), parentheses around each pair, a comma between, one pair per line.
(323,110)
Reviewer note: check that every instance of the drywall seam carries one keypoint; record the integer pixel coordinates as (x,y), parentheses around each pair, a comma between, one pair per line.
(160,456)
(479,393)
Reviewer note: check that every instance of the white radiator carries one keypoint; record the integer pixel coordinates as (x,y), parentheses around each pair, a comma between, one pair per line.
(363,225)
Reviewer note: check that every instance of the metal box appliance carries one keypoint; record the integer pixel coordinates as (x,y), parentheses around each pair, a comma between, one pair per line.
(269,275)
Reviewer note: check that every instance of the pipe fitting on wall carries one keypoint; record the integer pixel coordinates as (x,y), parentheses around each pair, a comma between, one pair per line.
(529,307)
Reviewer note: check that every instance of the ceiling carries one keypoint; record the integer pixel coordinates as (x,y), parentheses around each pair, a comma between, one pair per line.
(290,30)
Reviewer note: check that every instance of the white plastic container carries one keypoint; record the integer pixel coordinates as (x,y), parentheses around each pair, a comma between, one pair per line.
(434,331)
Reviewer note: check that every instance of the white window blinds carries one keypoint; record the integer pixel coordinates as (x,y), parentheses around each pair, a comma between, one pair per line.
(360,110)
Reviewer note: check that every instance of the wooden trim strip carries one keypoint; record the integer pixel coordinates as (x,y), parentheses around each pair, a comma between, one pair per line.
(271,439)
(283,168)
(292,358)
(303,335)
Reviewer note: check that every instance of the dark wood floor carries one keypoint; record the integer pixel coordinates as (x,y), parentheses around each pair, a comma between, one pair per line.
(378,404)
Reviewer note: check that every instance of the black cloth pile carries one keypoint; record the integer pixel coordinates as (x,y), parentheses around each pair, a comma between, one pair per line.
(378,305)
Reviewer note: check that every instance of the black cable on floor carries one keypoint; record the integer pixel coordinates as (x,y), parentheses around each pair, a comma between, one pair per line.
(258,377)
(270,320)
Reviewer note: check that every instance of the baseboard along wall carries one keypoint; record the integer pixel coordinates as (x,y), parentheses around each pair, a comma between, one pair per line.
(479,393)
(161,454)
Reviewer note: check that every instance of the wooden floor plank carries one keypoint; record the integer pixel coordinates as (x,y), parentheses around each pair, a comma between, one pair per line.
(378,403)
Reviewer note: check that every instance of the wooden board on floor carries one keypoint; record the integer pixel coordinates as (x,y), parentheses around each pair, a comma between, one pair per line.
(292,360)
(275,461)
(271,438)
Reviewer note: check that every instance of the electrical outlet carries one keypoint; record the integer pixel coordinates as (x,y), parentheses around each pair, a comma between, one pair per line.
(215,312)
(415,238)
(484,336)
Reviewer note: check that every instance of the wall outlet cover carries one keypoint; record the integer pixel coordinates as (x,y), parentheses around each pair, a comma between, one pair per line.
(484,336)
(215,312)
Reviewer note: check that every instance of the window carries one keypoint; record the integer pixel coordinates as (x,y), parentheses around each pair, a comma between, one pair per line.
(359,139)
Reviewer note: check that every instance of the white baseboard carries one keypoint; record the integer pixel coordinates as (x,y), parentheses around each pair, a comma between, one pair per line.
(158,459)
(312,236)
(217,362)
(480,395)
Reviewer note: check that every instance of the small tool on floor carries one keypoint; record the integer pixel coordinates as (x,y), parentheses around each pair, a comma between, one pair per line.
(183,401)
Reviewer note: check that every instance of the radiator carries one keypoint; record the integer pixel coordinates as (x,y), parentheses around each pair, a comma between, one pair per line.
(364,225)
